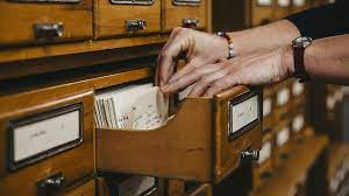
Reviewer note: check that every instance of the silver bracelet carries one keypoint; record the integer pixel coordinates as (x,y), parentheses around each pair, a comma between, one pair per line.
(231,51)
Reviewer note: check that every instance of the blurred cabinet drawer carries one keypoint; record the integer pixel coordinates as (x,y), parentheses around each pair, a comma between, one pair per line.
(283,142)
(127,17)
(203,190)
(185,13)
(47,137)
(283,105)
(299,5)
(282,9)
(44,21)
(299,93)
(203,141)
(86,189)
(261,12)
(268,109)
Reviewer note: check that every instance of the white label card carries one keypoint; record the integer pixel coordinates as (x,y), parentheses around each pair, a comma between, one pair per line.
(298,123)
(297,88)
(265,152)
(267,106)
(264,2)
(298,3)
(284,3)
(283,136)
(32,139)
(244,113)
(283,96)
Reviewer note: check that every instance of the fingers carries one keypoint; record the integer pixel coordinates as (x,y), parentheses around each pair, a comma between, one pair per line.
(205,83)
(167,59)
(192,77)
(221,85)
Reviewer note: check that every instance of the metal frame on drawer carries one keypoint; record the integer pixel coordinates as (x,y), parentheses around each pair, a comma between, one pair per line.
(13,124)
(187,2)
(132,2)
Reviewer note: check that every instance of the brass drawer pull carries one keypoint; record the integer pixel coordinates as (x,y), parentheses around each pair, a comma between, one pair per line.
(251,154)
(51,184)
(186,2)
(136,25)
(190,22)
(48,30)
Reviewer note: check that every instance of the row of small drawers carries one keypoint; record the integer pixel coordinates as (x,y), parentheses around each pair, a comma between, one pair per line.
(28,22)
(194,145)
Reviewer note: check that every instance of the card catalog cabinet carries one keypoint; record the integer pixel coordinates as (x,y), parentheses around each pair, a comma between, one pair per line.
(47,140)
(185,13)
(299,123)
(43,21)
(261,12)
(126,17)
(282,9)
(203,141)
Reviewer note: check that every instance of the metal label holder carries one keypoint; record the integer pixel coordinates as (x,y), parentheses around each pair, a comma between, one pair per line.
(13,124)
(186,2)
(251,124)
(133,2)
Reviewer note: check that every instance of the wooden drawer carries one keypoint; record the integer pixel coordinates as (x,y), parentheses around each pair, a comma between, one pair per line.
(268,109)
(61,121)
(33,21)
(185,13)
(299,94)
(283,103)
(126,17)
(261,12)
(264,167)
(299,5)
(299,123)
(86,189)
(282,9)
(194,145)
(283,142)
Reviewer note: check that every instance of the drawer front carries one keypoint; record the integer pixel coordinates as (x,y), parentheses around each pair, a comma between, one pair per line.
(282,9)
(46,136)
(238,128)
(86,189)
(283,103)
(180,13)
(31,22)
(117,18)
(262,12)
(283,142)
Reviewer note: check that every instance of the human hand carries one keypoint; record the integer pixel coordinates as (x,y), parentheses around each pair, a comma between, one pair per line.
(210,79)
(200,48)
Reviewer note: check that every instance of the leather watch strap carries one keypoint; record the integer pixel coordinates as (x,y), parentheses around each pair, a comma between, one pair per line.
(298,58)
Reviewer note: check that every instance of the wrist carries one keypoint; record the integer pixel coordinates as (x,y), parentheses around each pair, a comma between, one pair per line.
(288,61)
(230,47)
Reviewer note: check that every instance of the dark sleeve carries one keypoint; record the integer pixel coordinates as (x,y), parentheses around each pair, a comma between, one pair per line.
(323,21)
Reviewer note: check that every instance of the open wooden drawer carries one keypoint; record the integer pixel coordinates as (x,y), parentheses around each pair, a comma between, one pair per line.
(203,141)
(46,140)
(44,21)
(185,13)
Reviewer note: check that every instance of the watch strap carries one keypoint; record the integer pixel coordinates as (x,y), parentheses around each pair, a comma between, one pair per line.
(298,58)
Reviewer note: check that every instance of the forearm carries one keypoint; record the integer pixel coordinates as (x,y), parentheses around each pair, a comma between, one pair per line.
(267,37)
(327,60)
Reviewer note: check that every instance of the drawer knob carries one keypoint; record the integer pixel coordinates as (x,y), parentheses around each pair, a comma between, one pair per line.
(252,154)
(51,184)
(136,25)
(190,22)
(48,30)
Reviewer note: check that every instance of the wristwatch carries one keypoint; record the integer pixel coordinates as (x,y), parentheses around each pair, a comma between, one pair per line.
(299,45)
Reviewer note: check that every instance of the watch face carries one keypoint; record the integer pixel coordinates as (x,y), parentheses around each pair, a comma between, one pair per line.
(302,42)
